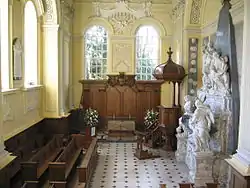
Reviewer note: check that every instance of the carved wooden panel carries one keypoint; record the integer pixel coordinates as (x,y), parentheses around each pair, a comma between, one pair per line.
(121,101)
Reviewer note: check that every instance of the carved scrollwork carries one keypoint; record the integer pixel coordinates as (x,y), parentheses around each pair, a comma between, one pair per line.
(121,21)
(178,10)
(121,80)
(49,10)
(121,16)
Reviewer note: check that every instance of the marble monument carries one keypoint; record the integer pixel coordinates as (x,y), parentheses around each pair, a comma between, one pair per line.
(206,125)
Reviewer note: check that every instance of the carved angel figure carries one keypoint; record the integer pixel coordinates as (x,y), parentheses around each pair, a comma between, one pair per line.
(201,123)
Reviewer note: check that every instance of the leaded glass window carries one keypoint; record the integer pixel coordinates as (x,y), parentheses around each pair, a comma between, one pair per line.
(96,53)
(147,52)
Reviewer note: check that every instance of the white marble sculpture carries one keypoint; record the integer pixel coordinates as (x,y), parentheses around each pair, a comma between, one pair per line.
(183,130)
(215,71)
(200,124)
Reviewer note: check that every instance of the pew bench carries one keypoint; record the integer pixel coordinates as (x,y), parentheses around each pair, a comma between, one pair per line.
(61,184)
(61,168)
(34,168)
(88,164)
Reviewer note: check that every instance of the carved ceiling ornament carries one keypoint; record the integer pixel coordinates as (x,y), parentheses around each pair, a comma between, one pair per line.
(195,12)
(178,10)
(122,16)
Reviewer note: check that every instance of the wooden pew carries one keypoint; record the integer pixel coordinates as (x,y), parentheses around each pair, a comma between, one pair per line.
(34,168)
(64,185)
(61,168)
(88,164)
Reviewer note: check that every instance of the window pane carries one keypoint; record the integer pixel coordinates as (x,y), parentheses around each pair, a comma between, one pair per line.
(4,42)
(30,44)
(96,53)
(147,52)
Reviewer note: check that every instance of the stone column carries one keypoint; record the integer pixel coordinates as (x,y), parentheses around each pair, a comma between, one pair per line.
(241,160)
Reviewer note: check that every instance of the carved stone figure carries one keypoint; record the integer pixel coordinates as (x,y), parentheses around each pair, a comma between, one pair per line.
(183,130)
(201,123)
(215,71)
(189,108)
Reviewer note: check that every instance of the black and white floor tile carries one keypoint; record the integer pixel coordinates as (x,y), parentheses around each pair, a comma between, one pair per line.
(118,168)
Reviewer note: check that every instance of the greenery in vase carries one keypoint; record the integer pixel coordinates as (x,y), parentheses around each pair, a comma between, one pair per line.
(150,117)
(91,117)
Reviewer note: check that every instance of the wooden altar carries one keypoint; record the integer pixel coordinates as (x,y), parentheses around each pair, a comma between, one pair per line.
(121,96)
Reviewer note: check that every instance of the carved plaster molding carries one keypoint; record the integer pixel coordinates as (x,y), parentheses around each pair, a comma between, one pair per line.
(8,114)
(49,11)
(122,57)
(67,9)
(31,99)
(177,10)
(195,16)
(122,17)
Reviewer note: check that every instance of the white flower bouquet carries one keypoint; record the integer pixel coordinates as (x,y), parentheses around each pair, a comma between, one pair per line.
(151,117)
(91,117)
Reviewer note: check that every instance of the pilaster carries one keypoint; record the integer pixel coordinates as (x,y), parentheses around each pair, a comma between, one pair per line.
(51,70)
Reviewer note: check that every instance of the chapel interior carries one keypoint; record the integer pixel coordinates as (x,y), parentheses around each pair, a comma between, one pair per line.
(124,93)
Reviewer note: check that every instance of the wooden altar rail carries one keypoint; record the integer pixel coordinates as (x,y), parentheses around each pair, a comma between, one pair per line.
(34,168)
(61,168)
(88,164)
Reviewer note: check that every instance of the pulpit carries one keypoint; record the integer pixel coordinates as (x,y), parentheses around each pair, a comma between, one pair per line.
(168,116)
(168,122)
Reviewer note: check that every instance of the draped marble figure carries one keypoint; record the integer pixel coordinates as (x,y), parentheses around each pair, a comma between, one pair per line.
(201,123)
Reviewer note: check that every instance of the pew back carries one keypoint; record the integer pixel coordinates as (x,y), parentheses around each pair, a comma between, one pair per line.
(87,166)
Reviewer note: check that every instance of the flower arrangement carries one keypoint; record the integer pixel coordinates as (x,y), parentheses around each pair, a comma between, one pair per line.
(91,117)
(150,117)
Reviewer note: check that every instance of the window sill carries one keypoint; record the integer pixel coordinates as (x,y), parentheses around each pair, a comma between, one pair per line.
(32,87)
(9,91)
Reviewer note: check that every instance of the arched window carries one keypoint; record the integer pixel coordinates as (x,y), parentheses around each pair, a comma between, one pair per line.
(147,52)
(4,45)
(96,53)
(30,45)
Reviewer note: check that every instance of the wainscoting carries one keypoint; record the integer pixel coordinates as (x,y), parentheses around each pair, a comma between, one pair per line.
(121,100)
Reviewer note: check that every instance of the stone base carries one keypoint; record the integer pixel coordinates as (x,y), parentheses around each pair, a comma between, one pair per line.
(201,173)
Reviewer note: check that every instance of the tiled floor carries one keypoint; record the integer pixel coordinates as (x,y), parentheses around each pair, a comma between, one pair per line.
(118,168)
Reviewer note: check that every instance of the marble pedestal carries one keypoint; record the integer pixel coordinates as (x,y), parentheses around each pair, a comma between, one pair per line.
(201,169)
